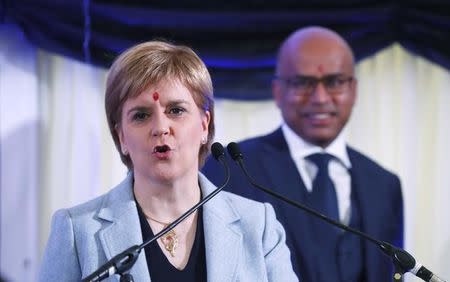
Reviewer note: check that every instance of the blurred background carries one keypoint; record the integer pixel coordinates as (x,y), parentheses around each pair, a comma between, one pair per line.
(56,150)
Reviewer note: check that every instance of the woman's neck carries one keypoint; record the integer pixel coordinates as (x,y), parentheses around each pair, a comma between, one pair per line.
(166,201)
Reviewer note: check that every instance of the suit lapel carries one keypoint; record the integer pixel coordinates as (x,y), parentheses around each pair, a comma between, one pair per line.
(123,229)
(223,244)
(365,191)
(281,170)
(284,178)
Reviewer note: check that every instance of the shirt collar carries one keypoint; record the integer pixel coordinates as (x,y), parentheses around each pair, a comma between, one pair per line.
(299,148)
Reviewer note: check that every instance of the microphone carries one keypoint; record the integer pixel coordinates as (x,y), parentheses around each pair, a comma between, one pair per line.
(218,153)
(403,261)
(122,263)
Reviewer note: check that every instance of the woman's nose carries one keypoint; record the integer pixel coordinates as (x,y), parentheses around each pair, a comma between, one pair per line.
(159,131)
(161,126)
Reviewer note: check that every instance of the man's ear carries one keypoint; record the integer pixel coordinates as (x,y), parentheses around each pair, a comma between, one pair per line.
(353,89)
(277,92)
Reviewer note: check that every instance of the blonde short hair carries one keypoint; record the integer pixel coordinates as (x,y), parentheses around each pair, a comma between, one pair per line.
(149,63)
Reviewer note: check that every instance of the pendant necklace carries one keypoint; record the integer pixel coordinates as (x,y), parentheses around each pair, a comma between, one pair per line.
(170,239)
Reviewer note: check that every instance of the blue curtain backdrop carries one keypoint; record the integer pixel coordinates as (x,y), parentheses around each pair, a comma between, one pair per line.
(237,39)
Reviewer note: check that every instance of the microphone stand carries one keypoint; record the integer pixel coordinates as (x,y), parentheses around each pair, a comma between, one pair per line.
(122,263)
(402,260)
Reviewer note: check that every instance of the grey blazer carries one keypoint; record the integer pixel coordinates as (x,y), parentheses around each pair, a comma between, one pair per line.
(243,239)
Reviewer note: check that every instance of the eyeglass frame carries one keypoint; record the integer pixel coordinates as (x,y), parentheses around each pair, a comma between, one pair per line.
(344,80)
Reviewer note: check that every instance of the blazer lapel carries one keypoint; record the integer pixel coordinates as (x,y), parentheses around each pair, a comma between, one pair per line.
(280,167)
(365,191)
(123,229)
(222,242)
(284,178)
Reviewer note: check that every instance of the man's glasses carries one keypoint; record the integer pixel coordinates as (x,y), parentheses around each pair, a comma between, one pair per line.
(305,85)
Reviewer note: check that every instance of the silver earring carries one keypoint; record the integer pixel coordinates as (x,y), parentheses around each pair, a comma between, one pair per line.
(125,152)
(204,140)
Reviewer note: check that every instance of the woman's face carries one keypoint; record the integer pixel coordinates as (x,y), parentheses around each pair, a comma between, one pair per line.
(162,130)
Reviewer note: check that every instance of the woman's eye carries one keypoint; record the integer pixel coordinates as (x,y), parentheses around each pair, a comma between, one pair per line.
(139,116)
(176,111)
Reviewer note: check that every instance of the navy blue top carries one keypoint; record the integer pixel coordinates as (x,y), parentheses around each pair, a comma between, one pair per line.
(160,269)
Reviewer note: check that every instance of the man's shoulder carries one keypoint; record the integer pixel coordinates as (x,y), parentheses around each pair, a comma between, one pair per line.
(251,144)
(258,142)
(361,161)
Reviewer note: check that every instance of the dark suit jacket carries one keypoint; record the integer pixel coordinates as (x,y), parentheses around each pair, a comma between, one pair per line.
(377,192)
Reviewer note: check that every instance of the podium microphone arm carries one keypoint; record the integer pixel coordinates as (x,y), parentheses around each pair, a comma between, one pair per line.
(122,263)
(403,261)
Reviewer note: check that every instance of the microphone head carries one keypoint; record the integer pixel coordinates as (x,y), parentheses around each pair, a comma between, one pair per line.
(217,150)
(234,151)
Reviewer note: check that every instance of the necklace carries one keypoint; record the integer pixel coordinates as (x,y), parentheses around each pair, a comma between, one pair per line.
(170,239)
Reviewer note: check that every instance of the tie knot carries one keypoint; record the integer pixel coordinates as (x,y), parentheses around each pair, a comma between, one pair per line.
(320,160)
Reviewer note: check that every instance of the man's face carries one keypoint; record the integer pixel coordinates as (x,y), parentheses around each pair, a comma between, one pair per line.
(315,89)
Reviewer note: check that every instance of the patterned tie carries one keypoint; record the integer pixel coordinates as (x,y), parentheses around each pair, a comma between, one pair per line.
(323,196)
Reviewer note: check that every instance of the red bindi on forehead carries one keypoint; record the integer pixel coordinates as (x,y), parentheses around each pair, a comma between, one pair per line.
(320,68)
(155,96)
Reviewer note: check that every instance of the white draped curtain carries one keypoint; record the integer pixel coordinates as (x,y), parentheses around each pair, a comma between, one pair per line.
(56,150)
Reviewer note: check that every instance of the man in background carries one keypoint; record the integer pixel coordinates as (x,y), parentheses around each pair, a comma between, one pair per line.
(307,160)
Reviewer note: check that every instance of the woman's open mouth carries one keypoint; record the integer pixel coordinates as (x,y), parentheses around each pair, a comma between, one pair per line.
(162,152)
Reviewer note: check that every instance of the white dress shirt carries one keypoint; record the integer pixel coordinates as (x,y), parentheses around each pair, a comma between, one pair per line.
(338,167)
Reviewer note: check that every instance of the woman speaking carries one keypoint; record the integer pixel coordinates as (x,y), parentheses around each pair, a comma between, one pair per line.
(160,111)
